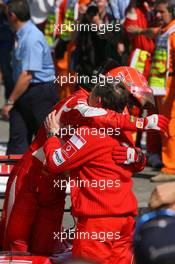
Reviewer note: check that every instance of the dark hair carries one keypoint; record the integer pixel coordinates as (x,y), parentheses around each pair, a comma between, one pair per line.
(114,96)
(102,69)
(20,8)
(170,7)
(108,65)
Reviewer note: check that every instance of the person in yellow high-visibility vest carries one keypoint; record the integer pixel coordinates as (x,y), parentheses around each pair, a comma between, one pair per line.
(68,14)
(138,14)
(162,81)
(139,17)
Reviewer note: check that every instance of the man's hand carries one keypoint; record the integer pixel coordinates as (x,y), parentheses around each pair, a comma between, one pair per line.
(163,196)
(6,110)
(126,155)
(135,30)
(156,122)
(82,9)
(20,87)
(51,124)
(152,122)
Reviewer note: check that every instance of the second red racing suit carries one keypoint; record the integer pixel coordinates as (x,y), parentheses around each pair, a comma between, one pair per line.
(101,194)
(73,110)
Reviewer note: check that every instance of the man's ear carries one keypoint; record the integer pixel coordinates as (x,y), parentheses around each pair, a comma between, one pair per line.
(12,15)
(97,101)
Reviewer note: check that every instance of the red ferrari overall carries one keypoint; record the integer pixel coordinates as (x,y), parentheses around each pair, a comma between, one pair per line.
(101,194)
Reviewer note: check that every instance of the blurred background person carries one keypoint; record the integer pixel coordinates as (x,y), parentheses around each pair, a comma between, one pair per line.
(154,240)
(142,47)
(93,47)
(34,92)
(68,13)
(6,45)
(140,17)
(162,81)
(82,51)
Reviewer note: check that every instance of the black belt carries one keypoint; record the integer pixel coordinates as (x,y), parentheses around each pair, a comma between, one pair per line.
(39,84)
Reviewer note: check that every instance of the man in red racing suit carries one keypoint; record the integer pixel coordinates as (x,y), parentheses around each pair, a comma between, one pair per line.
(74,106)
(101,195)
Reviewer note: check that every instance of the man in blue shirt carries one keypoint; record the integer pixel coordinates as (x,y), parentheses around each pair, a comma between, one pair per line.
(34,92)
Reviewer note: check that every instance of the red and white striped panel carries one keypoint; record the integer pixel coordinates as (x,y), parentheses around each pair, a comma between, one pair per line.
(5,169)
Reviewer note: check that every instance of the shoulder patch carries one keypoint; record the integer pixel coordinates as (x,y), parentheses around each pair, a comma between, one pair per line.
(140,122)
(69,150)
(78,141)
(58,157)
